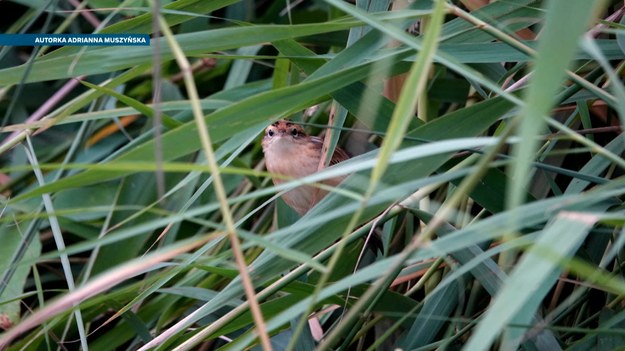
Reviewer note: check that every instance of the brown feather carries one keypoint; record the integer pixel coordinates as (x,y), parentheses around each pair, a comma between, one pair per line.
(339,154)
(291,153)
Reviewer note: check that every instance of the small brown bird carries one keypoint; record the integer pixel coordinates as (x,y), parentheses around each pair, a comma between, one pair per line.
(290,152)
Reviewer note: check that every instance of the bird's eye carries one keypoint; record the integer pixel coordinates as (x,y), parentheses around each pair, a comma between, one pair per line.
(294,132)
(270,132)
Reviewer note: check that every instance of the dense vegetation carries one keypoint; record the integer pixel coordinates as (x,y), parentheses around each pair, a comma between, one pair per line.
(483,208)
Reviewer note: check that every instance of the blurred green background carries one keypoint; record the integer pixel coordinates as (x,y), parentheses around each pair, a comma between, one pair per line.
(486,178)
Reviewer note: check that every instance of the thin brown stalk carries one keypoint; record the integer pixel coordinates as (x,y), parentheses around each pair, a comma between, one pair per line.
(222,197)
(95,287)
(18,136)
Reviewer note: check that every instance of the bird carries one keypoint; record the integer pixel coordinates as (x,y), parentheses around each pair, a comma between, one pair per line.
(291,153)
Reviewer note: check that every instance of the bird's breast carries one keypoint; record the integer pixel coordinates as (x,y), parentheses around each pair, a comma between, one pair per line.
(299,162)
(296,160)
